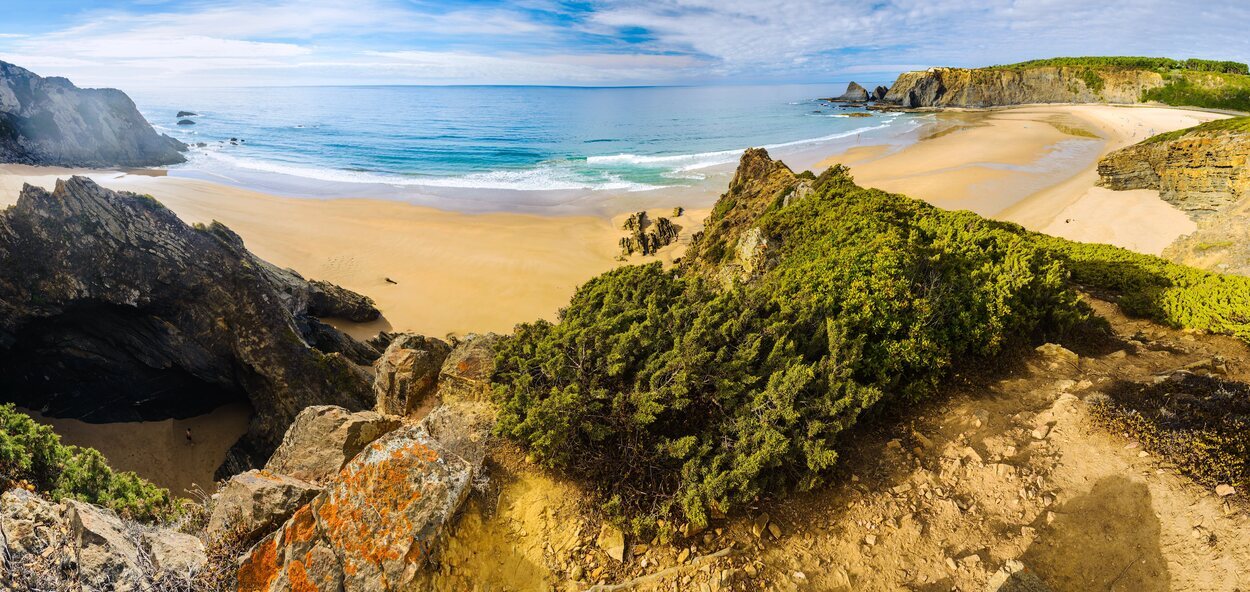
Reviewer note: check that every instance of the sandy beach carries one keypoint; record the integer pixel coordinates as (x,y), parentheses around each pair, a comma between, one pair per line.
(1036,166)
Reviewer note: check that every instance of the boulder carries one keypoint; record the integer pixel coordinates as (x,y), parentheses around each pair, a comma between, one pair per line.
(406,376)
(49,121)
(256,503)
(466,372)
(185,122)
(323,438)
(113,309)
(373,528)
(29,525)
(879,93)
(463,428)
(186,114)
(174,554)
(107,556)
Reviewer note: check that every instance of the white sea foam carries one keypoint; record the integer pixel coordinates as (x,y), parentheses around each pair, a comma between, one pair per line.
(546,177)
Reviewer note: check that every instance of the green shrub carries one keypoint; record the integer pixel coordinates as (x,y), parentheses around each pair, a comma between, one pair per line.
(32,455)
(671,392)
(1200,423)
(1155,288)
(1132,63)
(1208,90)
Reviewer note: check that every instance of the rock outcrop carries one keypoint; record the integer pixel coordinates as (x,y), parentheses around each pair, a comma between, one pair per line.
(113,309)
(647,236)
(854,94)
(76,546)
(380,520)
(989,87)
(466,372)
(880,92)
(758,183)
(254,503)
(323,438)
(49,121)
(1202,171)
(406,376)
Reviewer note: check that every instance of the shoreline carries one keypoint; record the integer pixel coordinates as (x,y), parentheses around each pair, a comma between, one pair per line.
(1036,165)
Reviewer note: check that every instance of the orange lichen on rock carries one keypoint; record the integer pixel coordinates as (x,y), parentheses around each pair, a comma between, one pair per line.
(260,568)
(297,576)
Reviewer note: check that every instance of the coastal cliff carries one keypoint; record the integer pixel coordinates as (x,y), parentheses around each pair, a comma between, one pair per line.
(1119,80)
(989,87)
(51,122)
(1201,171)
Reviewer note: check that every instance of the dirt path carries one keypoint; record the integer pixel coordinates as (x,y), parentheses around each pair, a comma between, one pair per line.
(1004,475)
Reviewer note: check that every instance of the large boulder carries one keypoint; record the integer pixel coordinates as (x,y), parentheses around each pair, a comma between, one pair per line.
(173,555)
(113,309)
(373,528)
(466,373)
(254,503)
(323,438)
(49,121)
(406,376)
(107,556)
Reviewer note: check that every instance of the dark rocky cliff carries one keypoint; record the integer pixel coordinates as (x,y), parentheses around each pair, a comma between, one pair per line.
(113,309)
(49,121)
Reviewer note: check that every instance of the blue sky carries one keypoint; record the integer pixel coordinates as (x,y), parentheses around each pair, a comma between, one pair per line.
(593,42)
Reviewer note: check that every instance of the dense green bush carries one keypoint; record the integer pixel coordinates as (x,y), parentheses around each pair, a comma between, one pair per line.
(1210,90)
(1155,288)
(671,391)
(32,455)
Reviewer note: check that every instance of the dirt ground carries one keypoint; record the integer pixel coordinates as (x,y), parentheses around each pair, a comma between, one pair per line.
(1002,477)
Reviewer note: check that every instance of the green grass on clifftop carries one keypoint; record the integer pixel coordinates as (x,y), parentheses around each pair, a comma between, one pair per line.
(32,456)
(1234,124)
(1131,63)
(1203,89)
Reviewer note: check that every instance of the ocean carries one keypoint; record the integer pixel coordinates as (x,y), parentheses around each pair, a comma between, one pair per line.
(503,147)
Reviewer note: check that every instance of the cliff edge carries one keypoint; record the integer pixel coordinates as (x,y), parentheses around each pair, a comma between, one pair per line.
(51,122)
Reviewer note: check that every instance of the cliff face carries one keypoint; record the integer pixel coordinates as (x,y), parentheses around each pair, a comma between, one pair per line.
(1201,171)
(113,309)
(989,87)
(49,121)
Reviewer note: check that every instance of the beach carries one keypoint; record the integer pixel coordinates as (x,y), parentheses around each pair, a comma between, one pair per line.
(439,272)
(1036,166)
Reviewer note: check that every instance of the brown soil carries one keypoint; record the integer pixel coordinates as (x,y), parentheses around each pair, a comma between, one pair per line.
(1006,471)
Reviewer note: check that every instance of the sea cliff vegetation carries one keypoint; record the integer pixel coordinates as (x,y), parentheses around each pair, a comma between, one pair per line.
(691,391)
(1132,63)
(32,456)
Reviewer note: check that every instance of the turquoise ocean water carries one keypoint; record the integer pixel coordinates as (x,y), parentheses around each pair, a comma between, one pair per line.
(502,147)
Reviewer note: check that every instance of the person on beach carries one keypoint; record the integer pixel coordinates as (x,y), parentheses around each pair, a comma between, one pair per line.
(190,441)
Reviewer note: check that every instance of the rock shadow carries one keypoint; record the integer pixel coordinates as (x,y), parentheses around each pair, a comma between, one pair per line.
(1107,539)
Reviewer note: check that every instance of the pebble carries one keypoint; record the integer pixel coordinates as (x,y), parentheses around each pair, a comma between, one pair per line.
(870,540)
(1041,431)
(1224,490)
(759,525)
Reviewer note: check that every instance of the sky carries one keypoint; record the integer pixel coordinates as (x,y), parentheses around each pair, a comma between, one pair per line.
(204,43)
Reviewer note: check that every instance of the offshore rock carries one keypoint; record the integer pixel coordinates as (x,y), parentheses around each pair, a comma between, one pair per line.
(854,94)
(406,376)
(49,121)
(323,438)
(113,309)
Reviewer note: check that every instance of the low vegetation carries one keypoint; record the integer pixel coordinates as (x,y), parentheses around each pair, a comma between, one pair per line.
(1208,90)
(1133,63)
(32,456)
(1234,124)
(673,394)
(1200,423)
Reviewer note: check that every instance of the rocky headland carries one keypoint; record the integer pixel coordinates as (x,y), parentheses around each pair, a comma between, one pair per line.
(1202,171)
(51,122)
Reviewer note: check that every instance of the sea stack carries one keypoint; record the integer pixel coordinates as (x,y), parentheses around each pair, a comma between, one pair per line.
(854,94)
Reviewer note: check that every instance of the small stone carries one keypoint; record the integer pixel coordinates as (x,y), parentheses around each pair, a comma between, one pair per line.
(683,556)
(970,560)
(799,576)
(1224,490)
(760,525)
(774,530)
(950,562)
(1117,355)
(1041,431)
(1143,454)
(901,489)
(612,541)
(577,573)
(870,540)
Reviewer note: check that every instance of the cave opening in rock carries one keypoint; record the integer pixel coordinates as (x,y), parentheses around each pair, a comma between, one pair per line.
(103,363)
